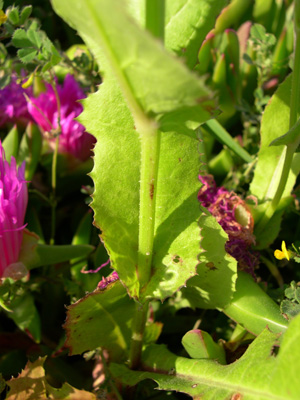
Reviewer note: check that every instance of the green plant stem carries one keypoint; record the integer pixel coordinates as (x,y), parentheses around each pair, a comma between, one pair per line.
(138,328)
(54,168)
(294,115)
(53,194)
(274,270)
(150,148)
(109,378)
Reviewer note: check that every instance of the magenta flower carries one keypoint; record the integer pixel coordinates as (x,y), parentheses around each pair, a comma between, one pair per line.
(73,138)
(13,104)
(13,204)
(225,206)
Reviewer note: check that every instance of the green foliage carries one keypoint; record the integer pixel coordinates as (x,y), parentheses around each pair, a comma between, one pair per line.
(199,344)
(35,255)
(291,305)
(275,123)
(187,23)
(34,45)
(216,130)
(101,318)
(164,96)
(252,308)
(32,383)
(162,65)
(268,376)
(25,315)
(11,143)
(214,284)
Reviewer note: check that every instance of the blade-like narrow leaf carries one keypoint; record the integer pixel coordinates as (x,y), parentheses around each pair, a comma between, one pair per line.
(275,123)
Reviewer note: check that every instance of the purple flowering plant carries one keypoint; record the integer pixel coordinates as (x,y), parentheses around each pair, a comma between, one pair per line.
(13,204)
(13,104)
(55,110)
(149,178)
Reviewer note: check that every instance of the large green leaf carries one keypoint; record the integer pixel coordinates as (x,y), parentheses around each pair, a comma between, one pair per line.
(214,285)
(275,123)
(257,375)
(253,309)
(187,22)
(31,383)
(141,81)
(152,81)
(101,319)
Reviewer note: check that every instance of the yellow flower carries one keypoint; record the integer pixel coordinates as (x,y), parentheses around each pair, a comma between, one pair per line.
(283,253)
(3,17)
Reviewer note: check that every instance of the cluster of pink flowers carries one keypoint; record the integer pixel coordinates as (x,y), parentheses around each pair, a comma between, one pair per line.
(223,205)
(51,117)
(13,104)
(13,204)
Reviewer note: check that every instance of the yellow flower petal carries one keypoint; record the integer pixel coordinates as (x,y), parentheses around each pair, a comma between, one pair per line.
(279,254)
(3,17)
(285,251)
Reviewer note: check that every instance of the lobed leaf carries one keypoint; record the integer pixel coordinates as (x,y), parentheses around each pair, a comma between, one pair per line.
(152,81)
(214,284)
(32,384)
(257,375)
(101,318)
(141,81)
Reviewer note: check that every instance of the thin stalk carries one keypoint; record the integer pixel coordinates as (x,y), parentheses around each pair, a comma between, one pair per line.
(294,115)
(138,329)
(108,377)
(273,270)
(54,168)
(150,149)
(53,195)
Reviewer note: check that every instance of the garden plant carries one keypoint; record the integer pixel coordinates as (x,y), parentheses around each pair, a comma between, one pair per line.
(149,199)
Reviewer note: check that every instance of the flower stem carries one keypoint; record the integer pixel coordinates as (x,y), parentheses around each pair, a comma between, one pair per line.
(294,115)
(53,194)
(54,166)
